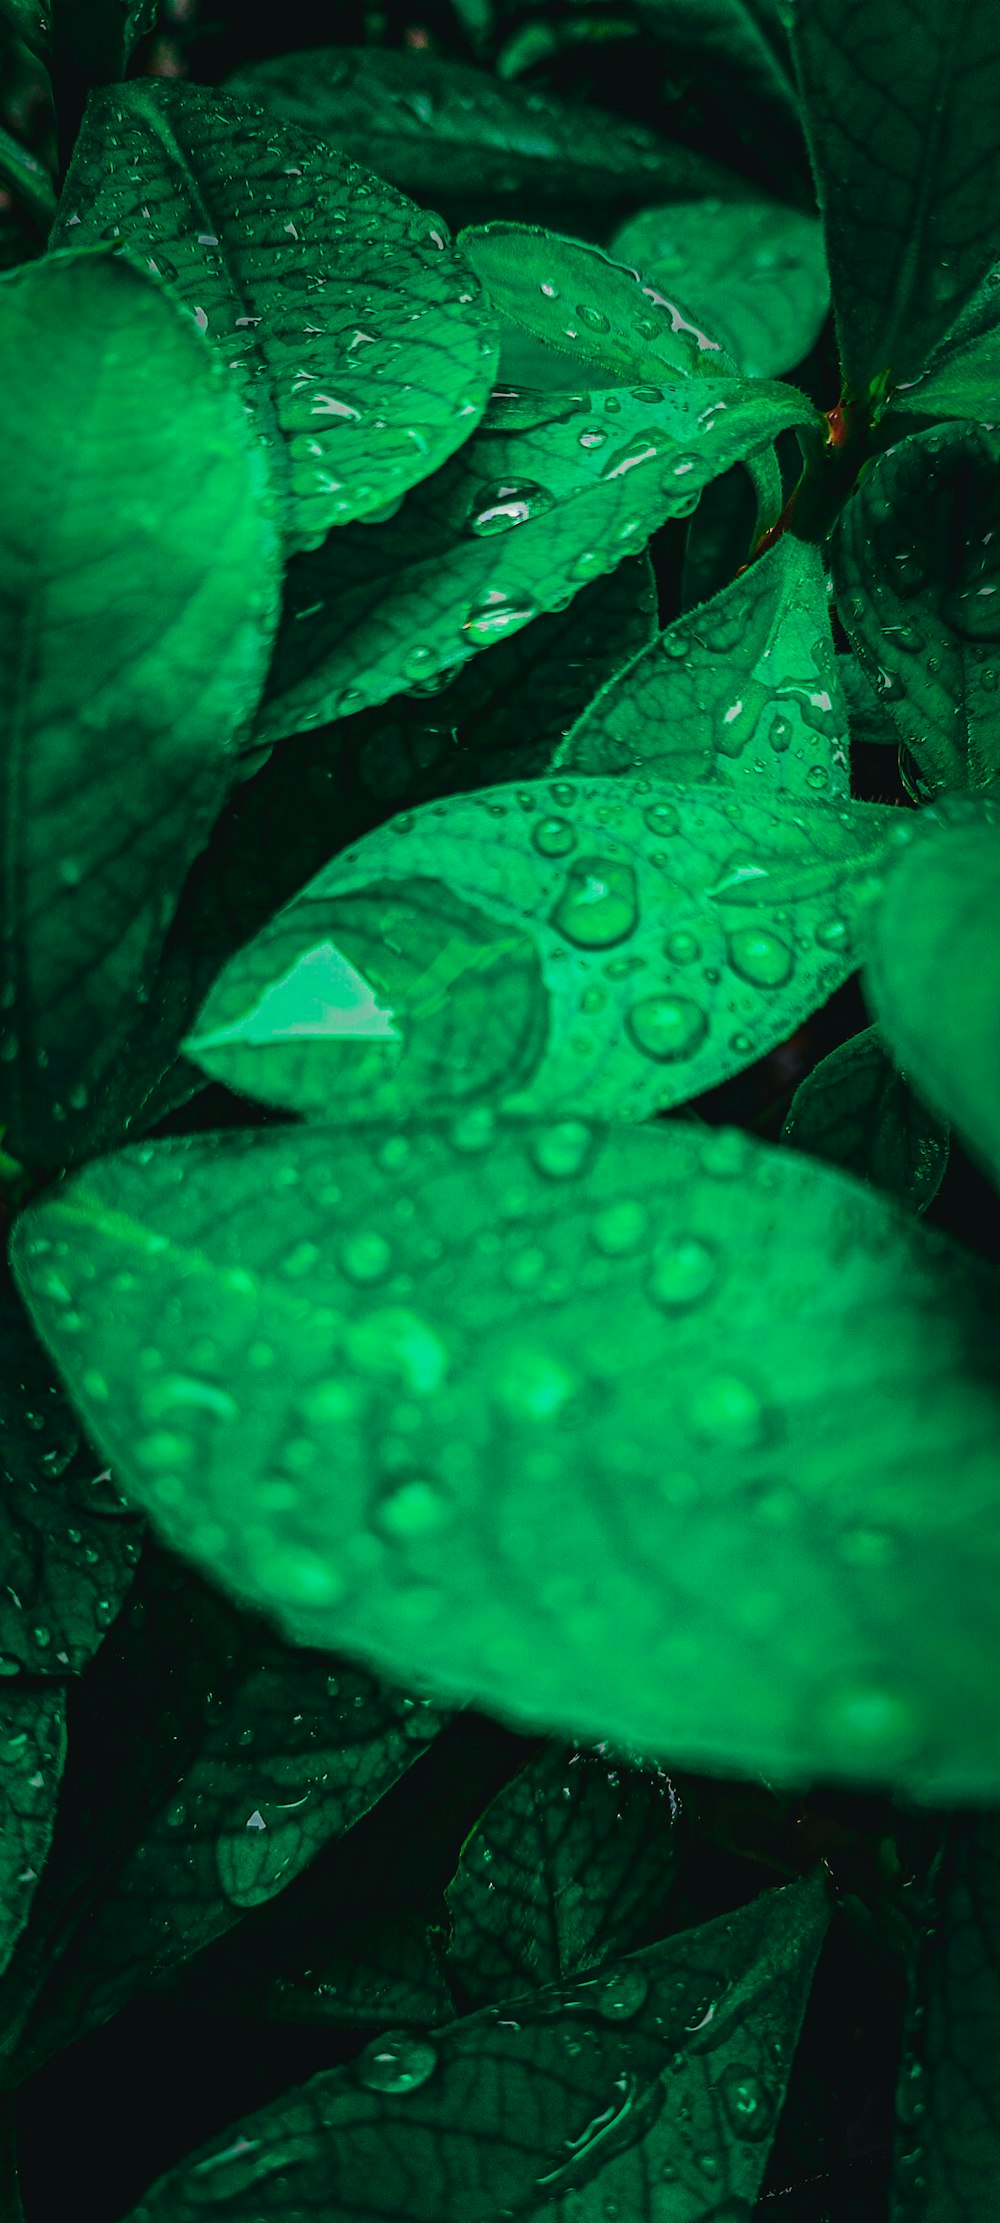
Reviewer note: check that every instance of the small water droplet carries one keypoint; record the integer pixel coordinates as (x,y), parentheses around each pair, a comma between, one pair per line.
(667,1028)
(620,1227)
(684,1269)
(563,1150)
(619,1996)
(412,1508)
(759,957)
(553,837)
(682,948)
(727,1410)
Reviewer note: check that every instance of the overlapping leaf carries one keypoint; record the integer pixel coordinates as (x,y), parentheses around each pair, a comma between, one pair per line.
(744,689)
(139,582)
(933,973)
(962,376)
(900,107)
(917,570)
(867,716)
(209,1765)
(607,946)
(856,1111)
(585,1425)
(755,270)
(659,2080)
(948,2133)
(441,130)
(349,323)
(571,1864)
(32,1753)
(526,515)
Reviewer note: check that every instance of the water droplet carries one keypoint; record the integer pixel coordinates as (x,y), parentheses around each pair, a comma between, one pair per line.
(727,1410)
(503,505)
(667,1027)
(300,1577)
(682,948)
(594,436)
(495,615)
(553,837)
(619,1227)
(759,957)
(661,819)
(594,320)
(748,2101)
(877,1725)
(414,1507)
(599,905)
(396,2062)
(620,1995)
(187,1393)
(399,1343)
(563,1150)
(683,1271)
(780,733)
(365,1256)
(534,1385)
(550,291)
(833,934)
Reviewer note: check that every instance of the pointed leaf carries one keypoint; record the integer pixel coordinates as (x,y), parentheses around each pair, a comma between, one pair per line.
(592,1334)
(743,689)
(917,571)
(568,2091)
(755,270)
(933,973)
(607,947)
(962,376)
(857,1112)
(68,1544)
(210,1766)
(867,716)
(136,530)
(350,324)
(32,1753)
(514,525)
(569,1865)
(948,2130)
(900,113)
(440,129)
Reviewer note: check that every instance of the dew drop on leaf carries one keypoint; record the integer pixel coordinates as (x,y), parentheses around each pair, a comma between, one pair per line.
(599,903)
(667,1028)
(396,2062)
(683,1271)
(760,957)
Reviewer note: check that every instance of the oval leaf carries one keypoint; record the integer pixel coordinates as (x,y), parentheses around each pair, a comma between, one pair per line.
(755,270)
(604,946)
(350,324)
(603,1438)
(137,529)
(32,1755)
(856,1111)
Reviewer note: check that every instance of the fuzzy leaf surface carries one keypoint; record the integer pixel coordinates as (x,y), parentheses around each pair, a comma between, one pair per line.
(755,270)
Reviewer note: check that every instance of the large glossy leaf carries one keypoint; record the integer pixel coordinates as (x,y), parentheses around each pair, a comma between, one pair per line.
(616,1448)
(444,131)
(742,689)
(527,514)
(571,1864)
(68,1543)
(606,946)
(947,2159)
(351,325)
(32,1753)
(657,2081)
(856,1111)
(209,1765)
(139,573)
(933,973)
(900,112)
(755,271)
(917,568)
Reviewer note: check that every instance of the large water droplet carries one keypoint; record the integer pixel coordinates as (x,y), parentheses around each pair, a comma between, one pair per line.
(760,957)
(396,2062)
(667,1028)
(683,1271)
(599,904)
(495,615)
(507,503)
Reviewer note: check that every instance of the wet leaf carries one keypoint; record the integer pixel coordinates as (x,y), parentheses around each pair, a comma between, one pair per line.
(947,2130)
(933,974)
(611,1455)
(32,1753)
(962,376)
(755,270)
(720,536)
(900,115)
(92,38)
(607,947)
(438,128)
(856,1111)
(917,569)
(741,690)
(513,526)
(570,1865)
(350,325)
(68,1543)
(136,529)
(209,1765)
(867,716)
(660,2079)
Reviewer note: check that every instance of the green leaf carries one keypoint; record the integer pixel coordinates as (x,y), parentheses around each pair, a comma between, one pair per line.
(28,180)
(868,719)
(570,1864)
(576,299)
(560,948)
(962,376)
(900,114)
(93,38)
(32,1753)
(440,129)
(68,1544)
(582,2076)
(755,270)
(720,536)
(209,1766)
(349,323)
(947,2159)
(516,524)
(917,573)
(933,974)
(855,1111)
(659,1481)
(137,531)
(743,690)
